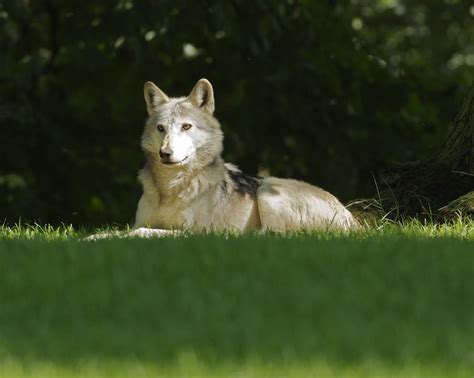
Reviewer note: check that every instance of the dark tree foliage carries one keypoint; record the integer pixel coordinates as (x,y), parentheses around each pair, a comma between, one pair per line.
(325,91)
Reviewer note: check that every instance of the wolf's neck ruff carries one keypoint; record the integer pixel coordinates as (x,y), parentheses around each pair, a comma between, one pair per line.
(186,181)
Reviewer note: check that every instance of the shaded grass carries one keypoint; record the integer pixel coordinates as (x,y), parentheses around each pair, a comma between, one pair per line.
(392,301)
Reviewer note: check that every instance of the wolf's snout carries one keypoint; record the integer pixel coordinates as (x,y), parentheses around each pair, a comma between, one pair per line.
(165,153)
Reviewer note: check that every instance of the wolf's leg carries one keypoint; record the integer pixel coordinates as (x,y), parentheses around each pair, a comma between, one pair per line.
(275,211)
(145,211)
(273,218)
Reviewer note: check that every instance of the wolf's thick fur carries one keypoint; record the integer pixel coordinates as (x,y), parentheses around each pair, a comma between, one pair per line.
(188,186)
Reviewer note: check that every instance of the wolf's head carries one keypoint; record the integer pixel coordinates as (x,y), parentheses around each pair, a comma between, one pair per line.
(182,131)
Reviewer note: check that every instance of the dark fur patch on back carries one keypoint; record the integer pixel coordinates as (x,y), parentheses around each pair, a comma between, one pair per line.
(245,184)
(213,163)
(224,186)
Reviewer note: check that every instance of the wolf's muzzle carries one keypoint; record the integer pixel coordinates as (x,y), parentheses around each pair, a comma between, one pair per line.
(165,154)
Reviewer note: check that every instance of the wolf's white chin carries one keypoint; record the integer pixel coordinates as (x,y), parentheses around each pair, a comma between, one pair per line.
(175,164)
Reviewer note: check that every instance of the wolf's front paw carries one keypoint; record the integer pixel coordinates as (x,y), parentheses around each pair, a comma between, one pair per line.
(104,235)
(143,232)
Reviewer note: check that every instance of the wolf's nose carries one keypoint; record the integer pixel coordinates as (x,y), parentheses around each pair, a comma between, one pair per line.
(165,153)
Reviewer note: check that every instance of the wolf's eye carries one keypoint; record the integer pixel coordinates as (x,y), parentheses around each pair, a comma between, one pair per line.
(160,128)
(186,126)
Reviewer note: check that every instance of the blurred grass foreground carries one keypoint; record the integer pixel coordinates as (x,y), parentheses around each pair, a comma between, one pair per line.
(391,302)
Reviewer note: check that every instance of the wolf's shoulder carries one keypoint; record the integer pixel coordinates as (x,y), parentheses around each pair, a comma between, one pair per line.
(242,183)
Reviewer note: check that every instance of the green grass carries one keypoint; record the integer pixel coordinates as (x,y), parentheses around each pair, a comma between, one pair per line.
(393,301)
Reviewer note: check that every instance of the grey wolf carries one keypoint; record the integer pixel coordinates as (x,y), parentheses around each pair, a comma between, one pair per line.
(188,186)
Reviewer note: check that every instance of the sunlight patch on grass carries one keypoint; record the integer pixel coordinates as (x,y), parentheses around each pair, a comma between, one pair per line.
(37,231)
(460,228)
(188,365)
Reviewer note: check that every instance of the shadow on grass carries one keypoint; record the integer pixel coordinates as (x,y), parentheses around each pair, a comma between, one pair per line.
(389,299)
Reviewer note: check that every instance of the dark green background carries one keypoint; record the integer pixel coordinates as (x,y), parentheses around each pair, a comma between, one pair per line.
(325,91)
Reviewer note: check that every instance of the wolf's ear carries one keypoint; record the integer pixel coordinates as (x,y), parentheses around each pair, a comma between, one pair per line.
(154,96)
(202,96)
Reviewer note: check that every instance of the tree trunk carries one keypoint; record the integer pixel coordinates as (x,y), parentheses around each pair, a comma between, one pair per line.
(438,187)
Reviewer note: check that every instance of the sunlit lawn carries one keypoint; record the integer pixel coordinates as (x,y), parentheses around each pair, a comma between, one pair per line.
(392,301)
